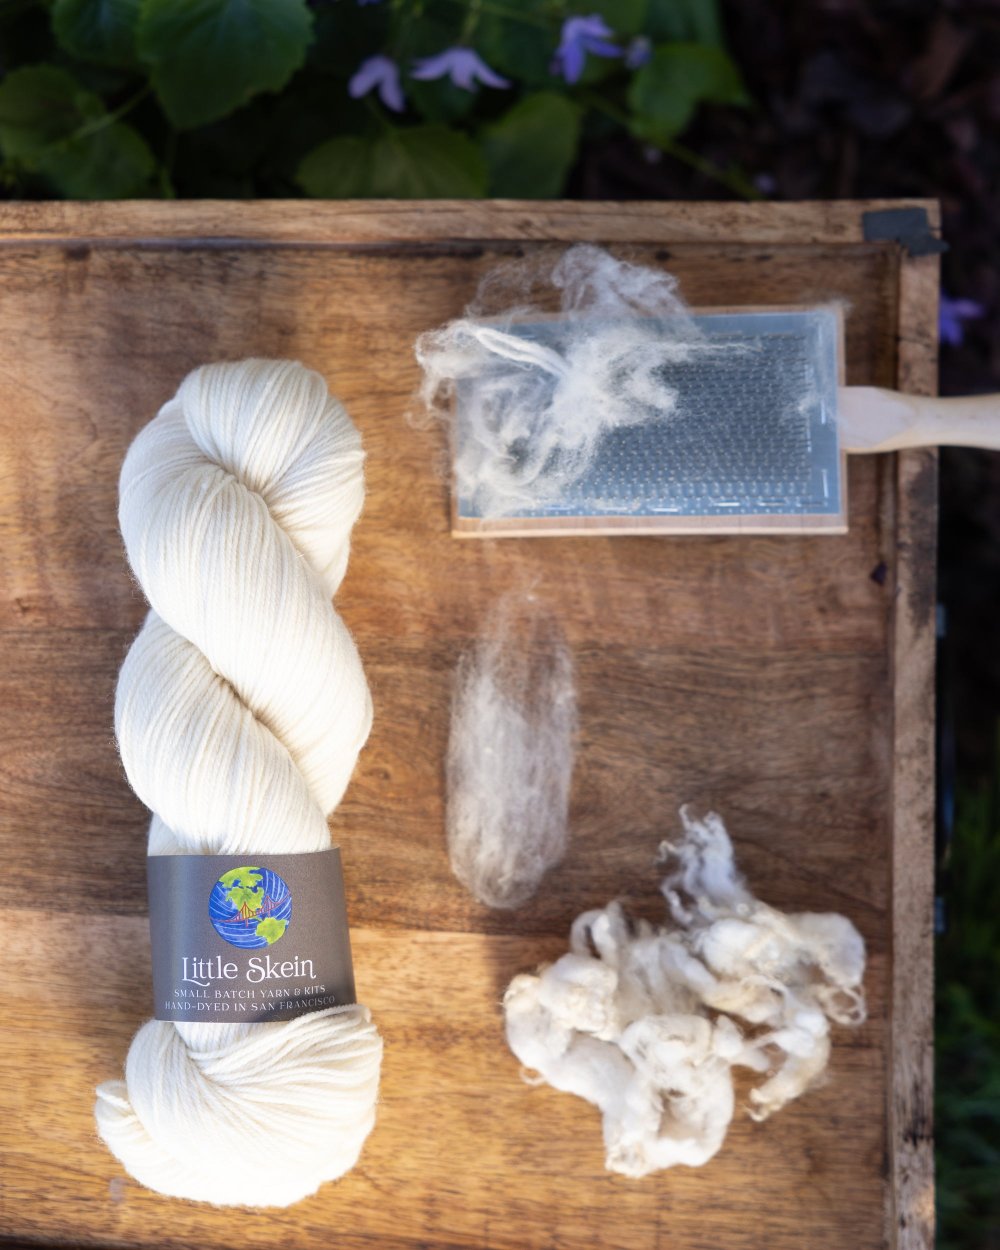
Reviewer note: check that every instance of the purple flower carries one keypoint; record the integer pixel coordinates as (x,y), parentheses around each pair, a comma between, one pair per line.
(463,66)
(638,52)
(953,313)
(580,36)
(383,73)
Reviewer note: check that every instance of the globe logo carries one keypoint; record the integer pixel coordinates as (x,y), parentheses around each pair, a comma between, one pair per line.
(250,907)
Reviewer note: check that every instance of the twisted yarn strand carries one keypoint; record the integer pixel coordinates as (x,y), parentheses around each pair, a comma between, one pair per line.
(240,711)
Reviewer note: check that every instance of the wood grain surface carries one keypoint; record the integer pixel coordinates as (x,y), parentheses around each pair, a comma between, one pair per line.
(784,681)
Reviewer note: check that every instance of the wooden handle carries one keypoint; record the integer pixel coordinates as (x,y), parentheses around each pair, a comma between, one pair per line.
(871,419)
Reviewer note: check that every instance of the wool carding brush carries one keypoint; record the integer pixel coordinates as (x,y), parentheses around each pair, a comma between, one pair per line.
(751,436)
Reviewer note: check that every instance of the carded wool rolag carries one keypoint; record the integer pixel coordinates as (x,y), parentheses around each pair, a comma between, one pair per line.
(510,754)
(240,711)
(647,1022)
(533,412)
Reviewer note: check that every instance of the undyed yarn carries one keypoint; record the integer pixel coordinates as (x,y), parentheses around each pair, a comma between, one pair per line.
(647,1022)
(534,412)
(240,711)
(510,754)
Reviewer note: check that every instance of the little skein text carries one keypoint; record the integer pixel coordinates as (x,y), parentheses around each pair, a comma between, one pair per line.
(204,971)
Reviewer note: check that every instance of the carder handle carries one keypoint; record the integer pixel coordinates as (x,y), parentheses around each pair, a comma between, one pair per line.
(871,419)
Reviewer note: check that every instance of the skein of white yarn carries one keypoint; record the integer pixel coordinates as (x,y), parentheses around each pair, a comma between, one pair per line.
(240,711)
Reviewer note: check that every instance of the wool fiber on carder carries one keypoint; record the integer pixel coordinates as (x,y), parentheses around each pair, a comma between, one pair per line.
(535,408)
(647,1022)
(510,753)
(581,395)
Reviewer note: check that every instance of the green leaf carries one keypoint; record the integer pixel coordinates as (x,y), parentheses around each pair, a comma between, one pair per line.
(428,163)
(271,929)
(113,163)
(520,46)
(39,105)
(207,57)
(666,91)
(97,30)
(54,127)
(531,149)
(340,169)
(624,17)
(440,101)
(697,21)
(416,162)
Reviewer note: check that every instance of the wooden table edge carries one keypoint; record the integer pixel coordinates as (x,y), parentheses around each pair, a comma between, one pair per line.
(911,1093)
(425,222)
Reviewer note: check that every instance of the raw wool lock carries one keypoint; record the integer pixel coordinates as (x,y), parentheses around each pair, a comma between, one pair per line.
(240,711)
(648,1022)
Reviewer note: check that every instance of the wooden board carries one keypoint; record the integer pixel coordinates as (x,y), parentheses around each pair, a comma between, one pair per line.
(785,681)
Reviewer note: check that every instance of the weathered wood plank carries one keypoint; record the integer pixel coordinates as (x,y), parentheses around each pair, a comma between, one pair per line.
(358,222)
(911,1112)
(785,681)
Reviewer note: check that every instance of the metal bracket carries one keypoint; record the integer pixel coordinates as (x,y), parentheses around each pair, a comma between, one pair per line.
(909,227)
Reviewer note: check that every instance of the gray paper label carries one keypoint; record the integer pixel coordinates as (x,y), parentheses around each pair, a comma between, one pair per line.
(238,939)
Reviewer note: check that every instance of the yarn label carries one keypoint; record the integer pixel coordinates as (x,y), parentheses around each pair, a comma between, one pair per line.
(238,939)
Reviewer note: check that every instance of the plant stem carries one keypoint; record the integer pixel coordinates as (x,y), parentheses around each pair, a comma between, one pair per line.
(670,147)
(167,188)
(475,8)
(729,178)
(501,10)
(109,119)
(379,114)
